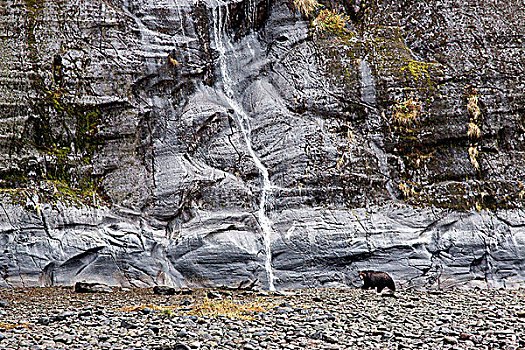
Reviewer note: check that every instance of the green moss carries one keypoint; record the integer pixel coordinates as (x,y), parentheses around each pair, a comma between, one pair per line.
(418,70)
(63,131)
(391,57)
(78,125)
(71,149)
(87,122)
(33,7)
(12,179)
(84,193)
(66,134)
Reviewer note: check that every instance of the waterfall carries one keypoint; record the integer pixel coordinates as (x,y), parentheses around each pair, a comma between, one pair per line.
(222,39)
(178,6)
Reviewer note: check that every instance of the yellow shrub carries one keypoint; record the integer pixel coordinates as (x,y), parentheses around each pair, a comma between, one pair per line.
(474,131)
(331,22)
(473,153)
(406,113)
(473,107)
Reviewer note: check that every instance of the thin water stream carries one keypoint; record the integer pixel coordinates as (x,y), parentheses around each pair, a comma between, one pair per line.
(222,39)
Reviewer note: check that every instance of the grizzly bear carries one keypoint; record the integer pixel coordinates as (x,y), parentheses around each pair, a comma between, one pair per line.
(376,279)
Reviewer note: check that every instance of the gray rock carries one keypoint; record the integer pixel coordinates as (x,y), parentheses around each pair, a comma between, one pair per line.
(85,313)
(62,316)
(128,325)
(44,321)
(213,295)
(89,287)
(450,340)
(180,346)
(164,290)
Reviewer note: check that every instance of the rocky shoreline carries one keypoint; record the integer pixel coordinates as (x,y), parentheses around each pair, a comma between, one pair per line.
(58,318)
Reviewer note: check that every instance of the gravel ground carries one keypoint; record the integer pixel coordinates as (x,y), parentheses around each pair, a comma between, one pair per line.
(49,318)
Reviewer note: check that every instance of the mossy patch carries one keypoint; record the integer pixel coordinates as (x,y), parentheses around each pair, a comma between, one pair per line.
(392,58)
(418,70)
(65,134)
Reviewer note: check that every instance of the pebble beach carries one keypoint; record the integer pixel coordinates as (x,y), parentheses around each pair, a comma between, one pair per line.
(136,318)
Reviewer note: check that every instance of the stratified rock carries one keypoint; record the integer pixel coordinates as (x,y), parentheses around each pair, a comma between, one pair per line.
(205,143)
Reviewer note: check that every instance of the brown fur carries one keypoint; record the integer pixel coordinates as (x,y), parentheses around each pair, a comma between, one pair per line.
(377,279)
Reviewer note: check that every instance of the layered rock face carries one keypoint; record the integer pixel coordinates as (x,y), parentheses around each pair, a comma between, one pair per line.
(204,143)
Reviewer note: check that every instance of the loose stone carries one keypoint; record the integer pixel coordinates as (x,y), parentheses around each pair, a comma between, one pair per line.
(346,319)
(450,340)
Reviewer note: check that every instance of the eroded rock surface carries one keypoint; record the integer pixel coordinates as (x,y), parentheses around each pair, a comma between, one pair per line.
(138,139)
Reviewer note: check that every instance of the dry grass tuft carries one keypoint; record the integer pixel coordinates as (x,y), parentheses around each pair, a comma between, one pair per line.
(331,22)
(473,107)
(474,125)
(473,153)
(474,132)
(173,61)
(406,113)
(407,190)
(306,7)
(8,326)
(211,308)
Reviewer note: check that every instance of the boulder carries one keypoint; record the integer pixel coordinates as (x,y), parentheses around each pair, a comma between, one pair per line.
(92,287)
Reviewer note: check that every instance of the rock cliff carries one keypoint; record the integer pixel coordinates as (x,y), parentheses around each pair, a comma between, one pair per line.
(209,142)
